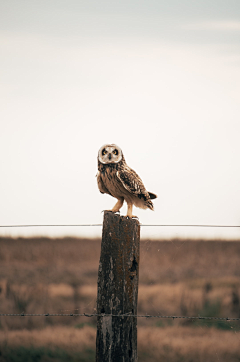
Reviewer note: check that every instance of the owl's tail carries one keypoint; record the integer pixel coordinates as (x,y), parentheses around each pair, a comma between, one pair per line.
(149,204)
(144,200)
(152,196)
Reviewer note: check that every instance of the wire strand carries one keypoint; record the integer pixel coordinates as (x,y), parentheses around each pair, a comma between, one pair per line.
(113,315)
(48,225)
(149,225)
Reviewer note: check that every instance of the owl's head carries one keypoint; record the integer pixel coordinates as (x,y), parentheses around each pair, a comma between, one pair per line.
(110,154)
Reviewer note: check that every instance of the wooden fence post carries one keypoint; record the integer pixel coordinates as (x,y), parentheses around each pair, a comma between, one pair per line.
(118,290)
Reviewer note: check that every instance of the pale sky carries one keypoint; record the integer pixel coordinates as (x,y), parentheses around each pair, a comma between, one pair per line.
(161,79)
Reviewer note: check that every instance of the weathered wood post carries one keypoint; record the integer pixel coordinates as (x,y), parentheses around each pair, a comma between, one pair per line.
(118,290)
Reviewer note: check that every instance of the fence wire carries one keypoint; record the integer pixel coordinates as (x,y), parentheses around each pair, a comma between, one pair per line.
(159,225)
(114,315)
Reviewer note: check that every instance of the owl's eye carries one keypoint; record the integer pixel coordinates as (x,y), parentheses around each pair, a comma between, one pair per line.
(115,152)
(104,152)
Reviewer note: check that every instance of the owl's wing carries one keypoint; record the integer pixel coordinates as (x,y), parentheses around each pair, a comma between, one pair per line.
(101,186)
(132,182)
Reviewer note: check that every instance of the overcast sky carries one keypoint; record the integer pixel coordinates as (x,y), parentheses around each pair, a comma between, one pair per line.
(159,78)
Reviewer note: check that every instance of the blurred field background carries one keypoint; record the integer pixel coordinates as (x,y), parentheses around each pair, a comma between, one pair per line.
(177,277)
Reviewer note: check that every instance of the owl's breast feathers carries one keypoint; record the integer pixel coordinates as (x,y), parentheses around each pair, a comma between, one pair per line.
(114,179)
(105,176)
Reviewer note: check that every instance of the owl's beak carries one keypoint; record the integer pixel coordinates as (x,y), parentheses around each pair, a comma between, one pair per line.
(109,156)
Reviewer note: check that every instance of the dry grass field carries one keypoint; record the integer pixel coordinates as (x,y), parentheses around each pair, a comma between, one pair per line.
(177,277)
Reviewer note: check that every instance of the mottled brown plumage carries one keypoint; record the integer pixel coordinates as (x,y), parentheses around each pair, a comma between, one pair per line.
(117,179)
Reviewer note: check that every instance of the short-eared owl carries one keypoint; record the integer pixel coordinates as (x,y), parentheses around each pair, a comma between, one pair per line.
(117,179)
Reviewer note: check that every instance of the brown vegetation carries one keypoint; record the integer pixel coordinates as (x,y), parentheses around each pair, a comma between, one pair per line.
(155,344)
(177,277)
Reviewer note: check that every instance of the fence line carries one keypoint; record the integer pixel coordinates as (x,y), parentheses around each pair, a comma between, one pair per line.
(114,315)
(149,225)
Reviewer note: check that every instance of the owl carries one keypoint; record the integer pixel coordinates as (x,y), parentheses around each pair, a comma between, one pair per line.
(117,179)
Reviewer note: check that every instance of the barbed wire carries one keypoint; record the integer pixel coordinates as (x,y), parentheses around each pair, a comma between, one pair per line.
(48,225)
(114,315)
(159,225)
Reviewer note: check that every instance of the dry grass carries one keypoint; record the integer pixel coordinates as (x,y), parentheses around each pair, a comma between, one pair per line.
(154,344)
(66,338)
(177,277)
(166,261)
(187,344)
